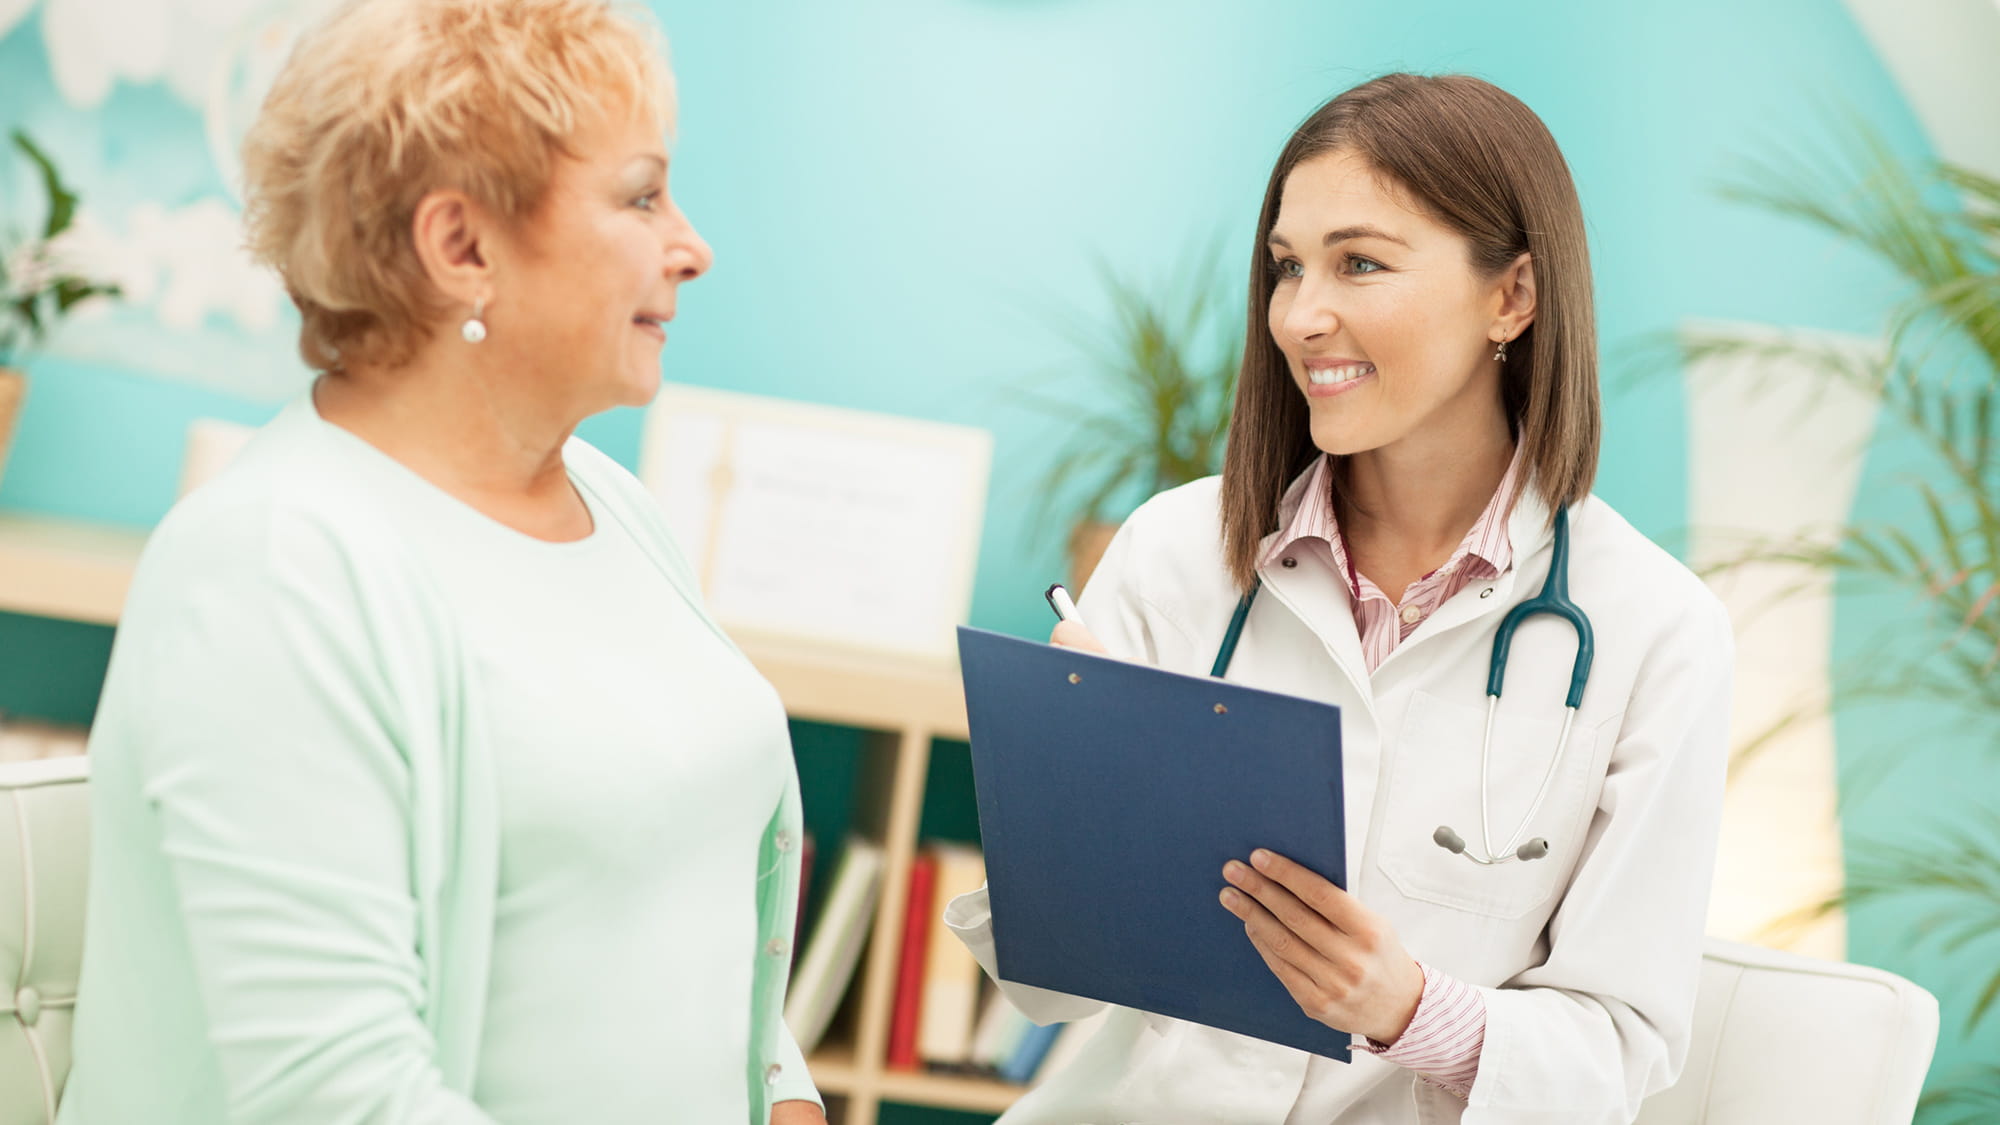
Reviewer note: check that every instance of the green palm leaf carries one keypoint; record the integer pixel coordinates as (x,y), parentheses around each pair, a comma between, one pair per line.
(1162,376)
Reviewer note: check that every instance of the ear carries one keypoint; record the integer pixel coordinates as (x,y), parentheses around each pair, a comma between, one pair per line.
(1515,297)
(451,234)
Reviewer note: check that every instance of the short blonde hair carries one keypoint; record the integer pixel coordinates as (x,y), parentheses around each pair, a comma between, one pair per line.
(392,99)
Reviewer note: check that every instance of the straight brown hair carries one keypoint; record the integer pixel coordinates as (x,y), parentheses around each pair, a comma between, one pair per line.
(1483,164)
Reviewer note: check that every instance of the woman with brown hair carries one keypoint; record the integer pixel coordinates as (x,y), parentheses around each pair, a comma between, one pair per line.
(1408,475)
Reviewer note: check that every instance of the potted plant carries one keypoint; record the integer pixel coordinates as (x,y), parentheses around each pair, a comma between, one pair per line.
(1938,380)
(37,288)
(1162,379)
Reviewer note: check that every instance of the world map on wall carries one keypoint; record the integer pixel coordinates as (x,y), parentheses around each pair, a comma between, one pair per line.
(193,308)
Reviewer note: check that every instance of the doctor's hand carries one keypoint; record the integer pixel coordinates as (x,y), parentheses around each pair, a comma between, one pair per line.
(797,1112)
(1069,634)
(1338,959)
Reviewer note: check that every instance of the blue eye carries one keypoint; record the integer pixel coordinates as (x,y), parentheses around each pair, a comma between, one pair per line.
(1287,268)
(1355,263)
(647,201)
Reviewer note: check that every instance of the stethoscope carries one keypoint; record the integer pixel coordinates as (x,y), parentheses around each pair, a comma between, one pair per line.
(1554,601)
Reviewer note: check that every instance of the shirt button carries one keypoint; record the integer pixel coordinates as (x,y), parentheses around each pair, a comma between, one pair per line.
(771,1073)
(28,1006)
(775,947)
(1290,563)
(1412,613)
(784,841)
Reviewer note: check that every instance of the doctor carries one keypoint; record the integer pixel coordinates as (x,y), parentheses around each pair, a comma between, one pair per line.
(1415,435)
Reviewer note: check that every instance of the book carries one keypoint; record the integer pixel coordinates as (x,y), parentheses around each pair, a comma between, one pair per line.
(951,975)
(917,913)
(826,967)
(1075,1036)
(1021,1064)
(998,1030)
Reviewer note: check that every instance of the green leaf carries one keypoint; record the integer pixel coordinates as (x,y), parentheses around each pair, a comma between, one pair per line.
(1167,405)
(62,202)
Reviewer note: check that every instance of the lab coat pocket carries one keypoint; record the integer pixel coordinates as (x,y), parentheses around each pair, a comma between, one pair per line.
(1435,781)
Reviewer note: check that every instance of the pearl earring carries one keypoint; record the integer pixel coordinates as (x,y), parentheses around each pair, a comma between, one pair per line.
(1500,353)
(474,329)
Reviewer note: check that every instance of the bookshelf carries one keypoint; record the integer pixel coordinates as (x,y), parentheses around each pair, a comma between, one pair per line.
(78,571)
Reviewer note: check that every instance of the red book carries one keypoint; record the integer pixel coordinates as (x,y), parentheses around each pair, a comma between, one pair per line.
(908,1012)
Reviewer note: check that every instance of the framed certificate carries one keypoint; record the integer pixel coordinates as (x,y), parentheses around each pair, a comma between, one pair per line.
(818,523)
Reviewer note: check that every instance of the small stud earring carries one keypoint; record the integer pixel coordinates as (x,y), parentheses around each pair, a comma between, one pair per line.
(1500,353)
(474,329)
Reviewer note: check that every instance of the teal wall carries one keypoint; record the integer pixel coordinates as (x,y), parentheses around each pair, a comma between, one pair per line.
(900,191)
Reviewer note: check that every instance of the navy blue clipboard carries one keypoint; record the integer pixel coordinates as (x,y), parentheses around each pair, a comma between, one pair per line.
(1111,794)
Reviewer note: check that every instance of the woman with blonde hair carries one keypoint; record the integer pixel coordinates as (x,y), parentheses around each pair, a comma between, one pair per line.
(1405,505)
(424,788)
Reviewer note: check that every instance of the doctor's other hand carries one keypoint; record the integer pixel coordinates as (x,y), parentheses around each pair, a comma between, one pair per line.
(1069,634)
(1340,960)
(797,1112)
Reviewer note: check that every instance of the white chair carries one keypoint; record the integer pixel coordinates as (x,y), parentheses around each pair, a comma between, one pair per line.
(44,869)
(1784,1038)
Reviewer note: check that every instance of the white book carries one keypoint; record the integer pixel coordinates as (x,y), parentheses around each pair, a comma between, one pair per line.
(991,1039)
(827,965)
(1068,1045)
(951,974)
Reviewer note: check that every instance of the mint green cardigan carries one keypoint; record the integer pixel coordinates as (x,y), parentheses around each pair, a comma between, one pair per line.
(295,843)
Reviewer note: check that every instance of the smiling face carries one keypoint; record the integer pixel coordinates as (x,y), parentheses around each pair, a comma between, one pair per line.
(586,285)
(1385,325)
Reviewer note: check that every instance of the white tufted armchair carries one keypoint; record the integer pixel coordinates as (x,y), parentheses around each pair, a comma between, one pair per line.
(44,864)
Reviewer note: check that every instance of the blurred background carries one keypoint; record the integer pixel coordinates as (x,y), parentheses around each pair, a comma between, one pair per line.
(1002,213)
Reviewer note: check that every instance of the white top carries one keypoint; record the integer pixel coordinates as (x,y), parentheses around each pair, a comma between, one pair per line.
(637,760)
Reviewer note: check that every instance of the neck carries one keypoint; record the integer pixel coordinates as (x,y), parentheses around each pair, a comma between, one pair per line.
(1421,495)
(466,426)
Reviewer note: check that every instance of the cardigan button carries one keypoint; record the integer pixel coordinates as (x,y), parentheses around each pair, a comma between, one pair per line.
(775,947)
(771,1074)
(1290,563)
(784,841)
(28,1006)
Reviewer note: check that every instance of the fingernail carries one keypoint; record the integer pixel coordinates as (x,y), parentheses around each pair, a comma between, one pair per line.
(1261,858)
(1229,896)
(1233,870)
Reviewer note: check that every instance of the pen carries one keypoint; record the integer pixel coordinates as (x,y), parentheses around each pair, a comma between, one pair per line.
(1059,601)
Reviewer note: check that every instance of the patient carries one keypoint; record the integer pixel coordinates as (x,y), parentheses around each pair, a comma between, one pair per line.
(425,790)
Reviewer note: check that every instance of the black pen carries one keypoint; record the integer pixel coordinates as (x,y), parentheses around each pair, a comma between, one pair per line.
(1059,601)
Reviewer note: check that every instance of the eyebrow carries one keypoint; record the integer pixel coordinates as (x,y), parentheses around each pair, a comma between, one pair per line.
(1345,234)
(652,158)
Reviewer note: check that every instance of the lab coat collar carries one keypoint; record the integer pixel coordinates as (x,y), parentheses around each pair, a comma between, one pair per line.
(1314,593)
(1322,600)
(1529,534)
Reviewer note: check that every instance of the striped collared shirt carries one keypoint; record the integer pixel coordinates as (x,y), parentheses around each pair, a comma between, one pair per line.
(1382,621)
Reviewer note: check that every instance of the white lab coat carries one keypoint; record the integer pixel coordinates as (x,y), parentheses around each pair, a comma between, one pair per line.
(1588,959)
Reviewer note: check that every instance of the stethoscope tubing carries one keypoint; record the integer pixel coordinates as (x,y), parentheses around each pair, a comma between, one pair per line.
(1554,601)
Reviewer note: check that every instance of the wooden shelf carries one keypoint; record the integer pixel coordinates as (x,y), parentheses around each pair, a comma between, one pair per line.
(81,572)
(836,1072)
(78,571)
(948,1091)
(66,569)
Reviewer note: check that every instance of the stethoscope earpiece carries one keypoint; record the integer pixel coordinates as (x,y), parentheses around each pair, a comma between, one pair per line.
(1452,842)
